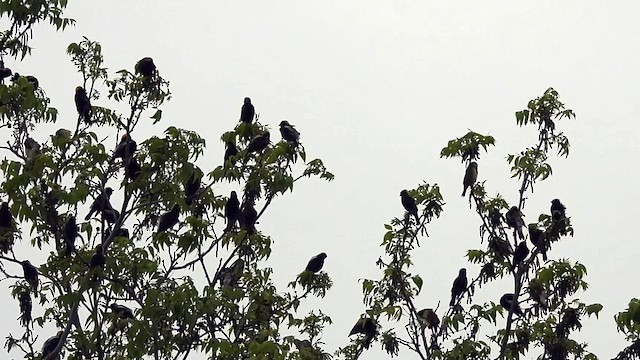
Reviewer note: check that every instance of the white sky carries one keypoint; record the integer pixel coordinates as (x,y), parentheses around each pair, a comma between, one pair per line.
(377,88)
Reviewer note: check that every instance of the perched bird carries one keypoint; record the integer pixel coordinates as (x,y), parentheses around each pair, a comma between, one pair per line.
(98,258)
(33,81)
(289,132)
(302,344)
(110,214)
(30,274)
(169,219)
(31,148)
(248,217)
(367,327)
(6,218)
(121,311)
(133,169)
(100,203)
(83,105)
(514,220)
(64,134)
(70,233)
(230,151)
(50,345)
(259,142)
(429,318)
(537,238)
(4,72)
(470,177)
(557,210)
(232,210)
(191,187)
(409,204)
(520,254)
(145,67)
(231,275)
(248,112)
(316,263)
(507,303)
(126,148)
(501,247)
(459,286)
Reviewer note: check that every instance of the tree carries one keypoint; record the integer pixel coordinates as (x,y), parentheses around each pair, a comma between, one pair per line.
(146,260)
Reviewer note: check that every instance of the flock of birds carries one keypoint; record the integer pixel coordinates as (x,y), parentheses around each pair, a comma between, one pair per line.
(235,213)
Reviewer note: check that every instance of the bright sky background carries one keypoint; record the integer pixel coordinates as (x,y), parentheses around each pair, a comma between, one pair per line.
(377,88)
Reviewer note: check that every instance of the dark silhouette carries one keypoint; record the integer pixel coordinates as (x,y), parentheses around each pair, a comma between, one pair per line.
(69,234)
(289,132)
(459,286)
(145,67)
(121,311)
(537,238)
(248,112)
(429,318)
(316,263)
(259,142)
(470,177)
(126,148)
(232,210)
(514,220)
(30,274)
(520,254)
(507,303)
(169,219)
(367,327)
(409,204)
(83,105)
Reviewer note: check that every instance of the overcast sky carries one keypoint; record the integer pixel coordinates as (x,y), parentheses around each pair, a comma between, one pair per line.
(377,88)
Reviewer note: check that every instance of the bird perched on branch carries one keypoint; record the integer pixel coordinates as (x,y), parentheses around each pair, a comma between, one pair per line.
(31,148)
(514,220)
(169,219)
(69,234)
(459,286)
(507,303)
(50,345)
(98,259)
(30,274)
(232,210)
(537,238)
(409,204)
(259,142)
(145,67)
(557,210)
(126,148)
(230,151)
(429,318)
(83,105)
(367,327)
(229,276)
(316,263)
(64,134)
(520,254)
(289,132)
(101,203)
(470,177)
(121,311)
(248,111)
(248,217)
(191,187)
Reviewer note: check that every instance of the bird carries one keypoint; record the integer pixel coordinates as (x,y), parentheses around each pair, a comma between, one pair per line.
(83,105)
(289,132)
(191,187)
(51,344)
(70,233)
(520,254)
(232,210)
(31,148)
(514,220)
(459,286)
(429,318)
(169,219)
(33,81)
(25,307)
(145,67)
(230,151)
(4,72)
(126,148)
(507,303)
(6,218)
(259,142)
(367,327)
(98,258)
(230,276)
(248,217)
(133,169)
(100,203)
(537,238)
(470,177)
(122,311)
(248,111)
(557,210)
(316,263)
(30,274)
(409,204)
(64,134)
(501,247)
